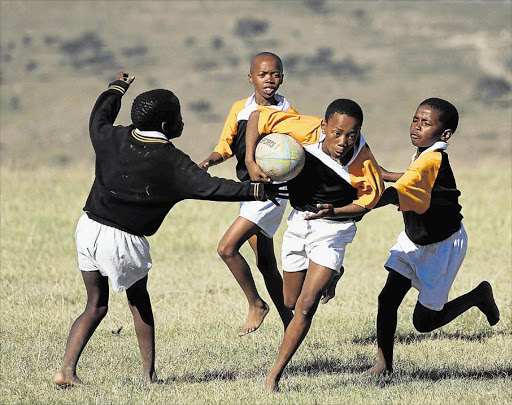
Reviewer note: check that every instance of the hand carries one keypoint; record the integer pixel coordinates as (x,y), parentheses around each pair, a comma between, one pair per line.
(256,173)
(326,211)
(273,191)
(125,77)
(205,164)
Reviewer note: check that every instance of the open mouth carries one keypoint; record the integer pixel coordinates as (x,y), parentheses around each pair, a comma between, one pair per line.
(268,90)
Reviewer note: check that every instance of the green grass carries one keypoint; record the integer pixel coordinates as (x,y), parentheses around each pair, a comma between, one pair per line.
(199,308)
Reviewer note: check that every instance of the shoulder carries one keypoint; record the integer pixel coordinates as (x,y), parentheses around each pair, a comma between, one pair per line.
(428,160)
(238,105)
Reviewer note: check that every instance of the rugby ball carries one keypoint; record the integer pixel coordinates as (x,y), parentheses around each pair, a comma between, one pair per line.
(280,156)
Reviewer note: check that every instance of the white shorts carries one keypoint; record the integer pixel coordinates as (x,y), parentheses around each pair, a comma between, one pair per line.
(265,214)
(431,268)
(322,241)
(122,257)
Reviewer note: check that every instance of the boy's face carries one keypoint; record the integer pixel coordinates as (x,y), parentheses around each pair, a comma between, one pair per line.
(341,134)
(266,75)
(426,128)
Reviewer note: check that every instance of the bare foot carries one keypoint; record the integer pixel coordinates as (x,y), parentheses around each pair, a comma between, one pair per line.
(376,370)
(330,291)
(271,384)
(151,379)
(488,305)
(67,381)
(379,369)
(254,319)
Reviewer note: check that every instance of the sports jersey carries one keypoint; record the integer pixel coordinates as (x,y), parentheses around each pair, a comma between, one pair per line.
(140,178)
(322,180)
(232,138)
(428,197)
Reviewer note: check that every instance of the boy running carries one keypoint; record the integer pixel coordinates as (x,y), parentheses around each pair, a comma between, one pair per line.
(140,176)
(340,182)
(257,221)
(431,249)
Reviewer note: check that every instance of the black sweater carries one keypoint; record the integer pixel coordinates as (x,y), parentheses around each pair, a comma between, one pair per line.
(139,179)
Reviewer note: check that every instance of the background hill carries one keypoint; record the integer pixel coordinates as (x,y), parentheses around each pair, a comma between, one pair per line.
(56,57)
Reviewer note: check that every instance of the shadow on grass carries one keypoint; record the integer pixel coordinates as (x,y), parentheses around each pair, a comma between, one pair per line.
(360,364)
(414,337)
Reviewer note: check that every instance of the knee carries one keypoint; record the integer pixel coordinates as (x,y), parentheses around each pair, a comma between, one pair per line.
(307,306)
(289,302)
(96,312)
(225,250)
(422,321)
(385,300)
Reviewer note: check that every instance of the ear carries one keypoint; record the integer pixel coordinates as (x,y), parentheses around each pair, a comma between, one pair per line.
(164,124)
(324,125)
(249,77)
(447,134)
(282,78)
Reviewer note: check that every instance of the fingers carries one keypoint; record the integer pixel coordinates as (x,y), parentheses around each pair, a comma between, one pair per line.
(125,77)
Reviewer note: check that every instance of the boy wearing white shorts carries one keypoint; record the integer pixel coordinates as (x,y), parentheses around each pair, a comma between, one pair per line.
(340,182)
(257,222)
(431,249)
(140,175)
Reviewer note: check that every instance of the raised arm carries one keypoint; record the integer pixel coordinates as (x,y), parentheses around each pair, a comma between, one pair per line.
(108,104)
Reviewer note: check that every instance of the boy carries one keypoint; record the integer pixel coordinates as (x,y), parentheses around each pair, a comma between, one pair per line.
(140,176)
(257,221)
(430,251)
(340,182)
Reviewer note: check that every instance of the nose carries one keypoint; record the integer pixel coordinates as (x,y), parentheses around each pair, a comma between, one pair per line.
(343,141)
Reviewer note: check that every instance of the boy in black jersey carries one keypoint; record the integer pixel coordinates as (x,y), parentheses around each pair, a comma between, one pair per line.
(430,251)
(340,182)
(140,175)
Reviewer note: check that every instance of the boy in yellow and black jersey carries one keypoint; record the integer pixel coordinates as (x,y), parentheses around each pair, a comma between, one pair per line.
(431,249)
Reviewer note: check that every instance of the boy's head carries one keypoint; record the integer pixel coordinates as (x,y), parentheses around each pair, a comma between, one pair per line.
(158,110)
(341,126)
(266,74)
(435,120)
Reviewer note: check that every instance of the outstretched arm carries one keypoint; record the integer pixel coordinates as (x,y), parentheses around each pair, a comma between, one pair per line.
(214,159)
(251,140)
(390,176)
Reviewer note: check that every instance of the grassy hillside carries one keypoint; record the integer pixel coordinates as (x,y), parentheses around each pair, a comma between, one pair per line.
(56,56)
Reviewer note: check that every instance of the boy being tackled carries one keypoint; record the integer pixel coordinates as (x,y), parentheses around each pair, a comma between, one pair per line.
(340,182)
(431,249)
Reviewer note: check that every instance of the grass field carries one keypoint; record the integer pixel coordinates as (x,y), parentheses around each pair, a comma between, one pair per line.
(55,58)
(198,310)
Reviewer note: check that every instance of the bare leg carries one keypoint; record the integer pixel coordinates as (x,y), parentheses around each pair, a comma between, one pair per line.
(83,327)
(293,282)
(317,279)
(426,320)
(140,306)
(237,234)
(263,248)
(390,298)
(330,291)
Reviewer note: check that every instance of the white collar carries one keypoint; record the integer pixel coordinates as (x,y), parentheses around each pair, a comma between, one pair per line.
(151,134)
(439,145)
(251,105)
(342,170)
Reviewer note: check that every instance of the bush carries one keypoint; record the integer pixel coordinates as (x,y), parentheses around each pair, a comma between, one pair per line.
(249,27)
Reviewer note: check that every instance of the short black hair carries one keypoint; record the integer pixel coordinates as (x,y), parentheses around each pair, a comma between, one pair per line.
(272,55)
(449,116)
(151,108)
(345,106)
